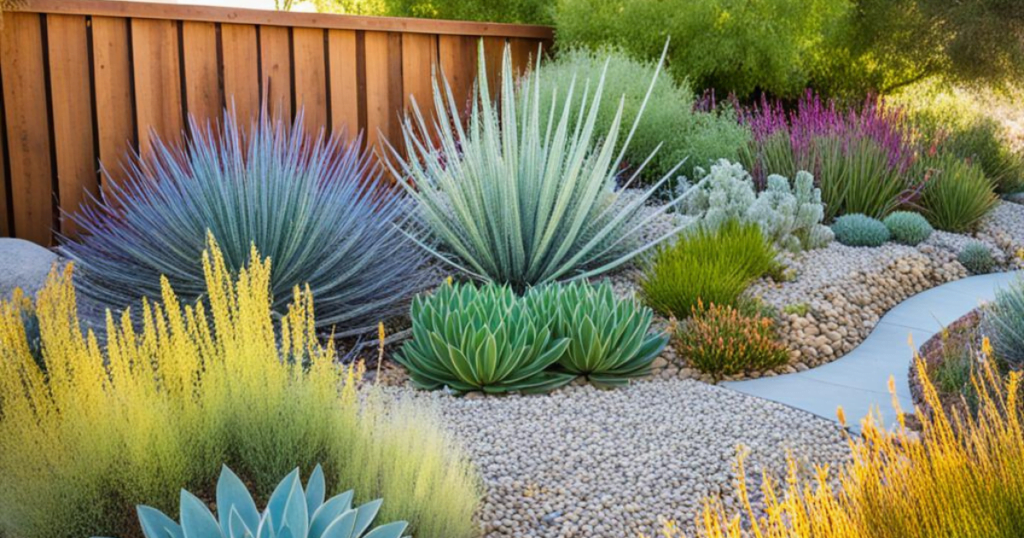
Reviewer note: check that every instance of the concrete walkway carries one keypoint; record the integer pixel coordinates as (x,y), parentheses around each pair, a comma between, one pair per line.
(859,380)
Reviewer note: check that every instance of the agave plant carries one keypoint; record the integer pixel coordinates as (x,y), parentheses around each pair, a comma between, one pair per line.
(290,513)
(512,202)
(469,339)
(315,206)
(608,338)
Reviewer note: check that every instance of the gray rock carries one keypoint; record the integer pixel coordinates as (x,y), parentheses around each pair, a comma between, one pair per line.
(23,265)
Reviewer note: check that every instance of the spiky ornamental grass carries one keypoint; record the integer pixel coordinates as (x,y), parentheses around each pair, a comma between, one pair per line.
(314,205)
(514,203)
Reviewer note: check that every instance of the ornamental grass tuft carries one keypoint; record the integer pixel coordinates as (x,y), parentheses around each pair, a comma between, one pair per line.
(956,195)
(516,199)
(161,408)
(316,206)
(721,341)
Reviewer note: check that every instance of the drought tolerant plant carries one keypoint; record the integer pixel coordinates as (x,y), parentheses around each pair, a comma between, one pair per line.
(164,406)
(467,339)
(861,156)
(608,337)
(721,340)
(860,231)
(291,511)
(1003,323)
(951,479)
(977,258)
(715,266)
(908,228)
(788,215)
(512,202)
(317,207)
(673,125)
(956,195)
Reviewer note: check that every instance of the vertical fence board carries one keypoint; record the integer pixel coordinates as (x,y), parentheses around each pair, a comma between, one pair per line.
(419,59)
(241,70)
(276,69)
(115,114)
(524,54)
(157,81)
(202,77)
(310,78)
(71,103)
(383,86)
(458,60)
(494,48)
(28,136)
(344,82)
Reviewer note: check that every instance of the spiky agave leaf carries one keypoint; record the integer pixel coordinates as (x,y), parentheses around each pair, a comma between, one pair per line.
(316,206)
(511,202)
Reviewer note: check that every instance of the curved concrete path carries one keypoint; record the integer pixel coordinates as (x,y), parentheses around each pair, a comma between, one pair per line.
(858,381)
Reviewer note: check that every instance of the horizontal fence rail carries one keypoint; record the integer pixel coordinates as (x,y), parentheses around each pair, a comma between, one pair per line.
(86,81)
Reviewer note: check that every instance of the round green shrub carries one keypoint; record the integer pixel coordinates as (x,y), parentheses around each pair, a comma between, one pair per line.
(859,230)
(977,258)
(908,228)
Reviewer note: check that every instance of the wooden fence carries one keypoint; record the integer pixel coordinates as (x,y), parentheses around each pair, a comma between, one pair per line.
(83,81)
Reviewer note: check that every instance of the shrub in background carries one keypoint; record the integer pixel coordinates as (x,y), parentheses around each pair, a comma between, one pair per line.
(788,215)
(161,409)
(861,156)
(316,207)
(721,341)
(608,337)
(733,46)
(511,204)
(1003,323)
(671,121)
(908,228)
(983,142)
(900,485)
(715,266)
(977,258)
(509,11)
(291,511)
(956,193)
(469,339)
(860,231)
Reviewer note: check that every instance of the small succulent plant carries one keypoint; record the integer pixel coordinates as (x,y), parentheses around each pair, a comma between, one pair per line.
(468,339)
(290,513)
(608,337)
(977,258)
(859,230)
(908,228)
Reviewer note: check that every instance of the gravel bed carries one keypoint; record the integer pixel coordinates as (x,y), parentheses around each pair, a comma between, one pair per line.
(582,462)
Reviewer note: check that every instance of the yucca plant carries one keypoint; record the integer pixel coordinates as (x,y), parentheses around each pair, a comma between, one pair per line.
(467,339)
(609,342)
(316,206)
(512,202)
(957,194)
(291,511)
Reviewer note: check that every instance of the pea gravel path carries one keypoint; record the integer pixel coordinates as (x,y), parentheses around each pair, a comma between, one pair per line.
(588,463)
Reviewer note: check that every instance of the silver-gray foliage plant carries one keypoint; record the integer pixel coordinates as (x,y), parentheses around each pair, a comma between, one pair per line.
(789,215)
(1003,323)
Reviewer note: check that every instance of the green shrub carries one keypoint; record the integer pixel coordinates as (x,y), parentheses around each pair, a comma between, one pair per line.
(983,142)
(151,411)
(720,340)
(730,45)
(908,228)
(715,266)
(469,339)
(608,337)
(860,231)
(670,120)
(1003,323)
(291,511)
(956,194)
(790,216)
(977,258)
(520,204)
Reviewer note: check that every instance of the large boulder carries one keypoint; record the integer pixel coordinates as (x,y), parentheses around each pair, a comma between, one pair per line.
(23,265)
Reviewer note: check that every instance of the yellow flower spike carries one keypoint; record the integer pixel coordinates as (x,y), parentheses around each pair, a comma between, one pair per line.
(448,280)
(986,347)
(380,348)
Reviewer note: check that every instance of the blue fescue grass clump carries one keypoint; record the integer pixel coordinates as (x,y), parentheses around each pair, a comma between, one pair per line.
(317,207)
(908,228)
(977,258)
(859,230)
